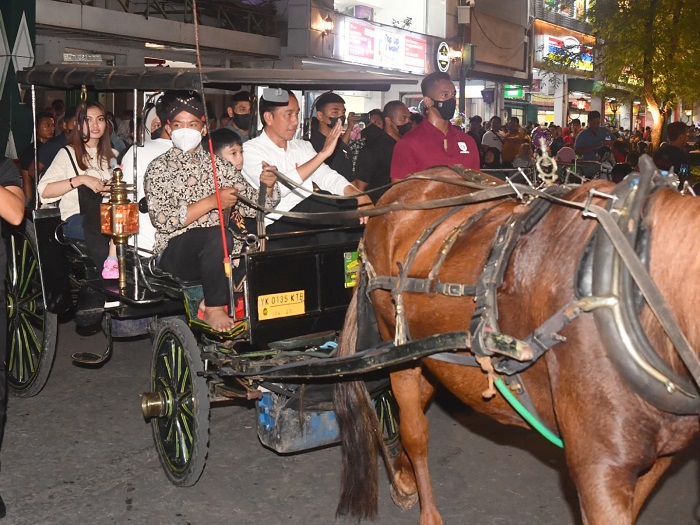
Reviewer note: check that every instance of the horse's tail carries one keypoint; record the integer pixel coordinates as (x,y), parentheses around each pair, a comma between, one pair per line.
(359,434)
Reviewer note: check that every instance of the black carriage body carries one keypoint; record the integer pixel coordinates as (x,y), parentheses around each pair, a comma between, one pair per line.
(318,274)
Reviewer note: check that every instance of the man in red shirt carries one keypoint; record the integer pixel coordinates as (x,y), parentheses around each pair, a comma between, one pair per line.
(435,142)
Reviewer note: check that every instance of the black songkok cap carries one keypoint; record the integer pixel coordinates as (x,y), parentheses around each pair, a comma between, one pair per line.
(191,104)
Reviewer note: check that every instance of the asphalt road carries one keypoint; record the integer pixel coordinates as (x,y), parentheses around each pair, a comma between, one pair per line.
(80,453)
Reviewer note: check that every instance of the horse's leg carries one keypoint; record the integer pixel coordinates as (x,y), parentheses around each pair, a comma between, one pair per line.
(412,392)
(647,482)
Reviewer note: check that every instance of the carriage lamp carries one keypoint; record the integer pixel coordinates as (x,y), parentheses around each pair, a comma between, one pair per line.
(120,220)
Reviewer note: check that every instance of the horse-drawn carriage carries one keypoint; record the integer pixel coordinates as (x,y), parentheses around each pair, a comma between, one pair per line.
(291,306)
(568,301)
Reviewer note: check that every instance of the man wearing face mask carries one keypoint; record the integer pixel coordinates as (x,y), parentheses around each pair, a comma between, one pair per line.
(374,162)
(239,113)
(435,141)
(330,108)
(182,205)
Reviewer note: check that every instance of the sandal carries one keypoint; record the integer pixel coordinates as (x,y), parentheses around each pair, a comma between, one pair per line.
(110,269)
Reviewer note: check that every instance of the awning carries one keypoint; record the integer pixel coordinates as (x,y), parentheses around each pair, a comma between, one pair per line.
(159,78)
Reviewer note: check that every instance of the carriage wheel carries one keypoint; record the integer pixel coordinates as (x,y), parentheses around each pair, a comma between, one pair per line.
(388,415)
(31,329)
(181,432)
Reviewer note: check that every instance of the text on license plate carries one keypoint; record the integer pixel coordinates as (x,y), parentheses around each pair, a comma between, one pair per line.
(283,304)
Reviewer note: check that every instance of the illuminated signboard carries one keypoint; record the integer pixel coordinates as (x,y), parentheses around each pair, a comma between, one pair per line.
(513,91)
(364,43)
(554,48)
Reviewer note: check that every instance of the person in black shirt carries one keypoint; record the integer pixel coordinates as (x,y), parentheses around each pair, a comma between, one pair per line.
(11,210)
(672,154)
(49,150)
(45,128)
(373,167)
(330,108)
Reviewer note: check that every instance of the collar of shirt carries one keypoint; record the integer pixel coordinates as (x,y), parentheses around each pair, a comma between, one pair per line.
(434,133)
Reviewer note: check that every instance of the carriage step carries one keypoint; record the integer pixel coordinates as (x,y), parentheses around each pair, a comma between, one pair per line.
(508,346)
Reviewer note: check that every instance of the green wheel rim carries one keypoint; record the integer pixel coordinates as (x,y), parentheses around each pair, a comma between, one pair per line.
(173,377)
(26,320)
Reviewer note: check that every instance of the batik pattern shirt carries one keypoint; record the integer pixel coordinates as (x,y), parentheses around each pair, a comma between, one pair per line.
(176,179)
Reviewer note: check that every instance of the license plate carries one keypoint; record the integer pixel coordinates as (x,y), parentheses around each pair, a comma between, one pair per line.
(285,304)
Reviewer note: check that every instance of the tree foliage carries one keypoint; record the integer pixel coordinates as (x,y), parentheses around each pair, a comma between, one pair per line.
(650,47)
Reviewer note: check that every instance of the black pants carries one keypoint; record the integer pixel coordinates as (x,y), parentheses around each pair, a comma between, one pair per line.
(314,204)
(197,255)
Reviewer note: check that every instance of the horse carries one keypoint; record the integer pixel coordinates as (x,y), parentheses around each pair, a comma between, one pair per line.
(617,445)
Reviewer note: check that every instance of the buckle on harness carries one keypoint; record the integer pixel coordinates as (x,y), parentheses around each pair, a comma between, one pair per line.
(595,193)
(452,289)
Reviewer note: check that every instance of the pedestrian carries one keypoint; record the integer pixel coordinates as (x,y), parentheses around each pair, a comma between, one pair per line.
(436,141)
(12,211)
(240,120)
(330,109)
(45,128)
(374,162)
(493,138)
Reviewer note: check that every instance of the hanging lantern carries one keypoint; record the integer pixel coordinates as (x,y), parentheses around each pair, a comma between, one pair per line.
(120,220)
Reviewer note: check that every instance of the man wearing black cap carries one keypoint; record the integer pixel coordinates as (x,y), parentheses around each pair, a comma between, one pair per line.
(239,112)
(330,109)
(182,204)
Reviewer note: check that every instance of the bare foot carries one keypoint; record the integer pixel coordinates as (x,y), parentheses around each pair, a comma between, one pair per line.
(217,318)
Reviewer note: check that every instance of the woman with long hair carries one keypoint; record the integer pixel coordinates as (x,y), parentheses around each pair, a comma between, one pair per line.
(85,161)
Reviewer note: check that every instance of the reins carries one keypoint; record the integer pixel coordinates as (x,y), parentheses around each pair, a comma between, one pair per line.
(217,191)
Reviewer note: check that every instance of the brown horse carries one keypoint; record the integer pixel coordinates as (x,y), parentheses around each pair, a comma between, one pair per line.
(617,445)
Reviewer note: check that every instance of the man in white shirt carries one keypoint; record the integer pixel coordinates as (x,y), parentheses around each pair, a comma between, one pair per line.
(151,149)
(492,138)
(298,160)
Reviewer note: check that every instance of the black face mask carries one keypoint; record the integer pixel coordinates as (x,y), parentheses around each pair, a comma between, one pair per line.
(242,121)
(446,108)
(334,120)
(404,128)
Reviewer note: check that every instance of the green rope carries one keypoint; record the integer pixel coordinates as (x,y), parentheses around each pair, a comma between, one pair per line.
(526,415)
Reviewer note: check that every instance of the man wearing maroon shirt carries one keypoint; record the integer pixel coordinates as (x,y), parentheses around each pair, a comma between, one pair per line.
(435,142)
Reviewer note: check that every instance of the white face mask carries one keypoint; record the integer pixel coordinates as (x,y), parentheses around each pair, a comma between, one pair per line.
(186,139)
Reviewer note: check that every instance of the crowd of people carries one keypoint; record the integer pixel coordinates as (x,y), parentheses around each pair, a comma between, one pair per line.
(598,150)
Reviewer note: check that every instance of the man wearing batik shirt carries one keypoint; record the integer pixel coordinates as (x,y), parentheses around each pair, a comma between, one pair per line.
(179,188)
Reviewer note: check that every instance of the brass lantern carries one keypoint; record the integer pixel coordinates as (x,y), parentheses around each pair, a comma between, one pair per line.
(120,220)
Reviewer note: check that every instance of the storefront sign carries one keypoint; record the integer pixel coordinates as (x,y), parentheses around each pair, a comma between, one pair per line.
(563,46)
(556,48)
(513,91)
(443,57)
(364,43)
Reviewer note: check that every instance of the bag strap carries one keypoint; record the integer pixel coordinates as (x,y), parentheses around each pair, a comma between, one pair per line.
(75,168)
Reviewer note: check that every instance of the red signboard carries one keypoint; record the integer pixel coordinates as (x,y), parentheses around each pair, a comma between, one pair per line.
(361,41)
(415,52)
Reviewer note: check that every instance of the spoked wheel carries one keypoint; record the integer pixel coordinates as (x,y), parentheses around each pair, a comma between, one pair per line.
(178,403)
(388,415)
(31,329)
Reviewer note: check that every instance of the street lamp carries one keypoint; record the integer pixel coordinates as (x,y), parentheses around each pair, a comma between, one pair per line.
(614,106)
(327,26)
(689,115)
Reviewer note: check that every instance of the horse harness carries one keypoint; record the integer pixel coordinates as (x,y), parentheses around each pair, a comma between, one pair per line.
(613,296)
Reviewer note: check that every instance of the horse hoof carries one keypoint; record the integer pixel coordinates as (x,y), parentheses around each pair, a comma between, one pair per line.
(402,500)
